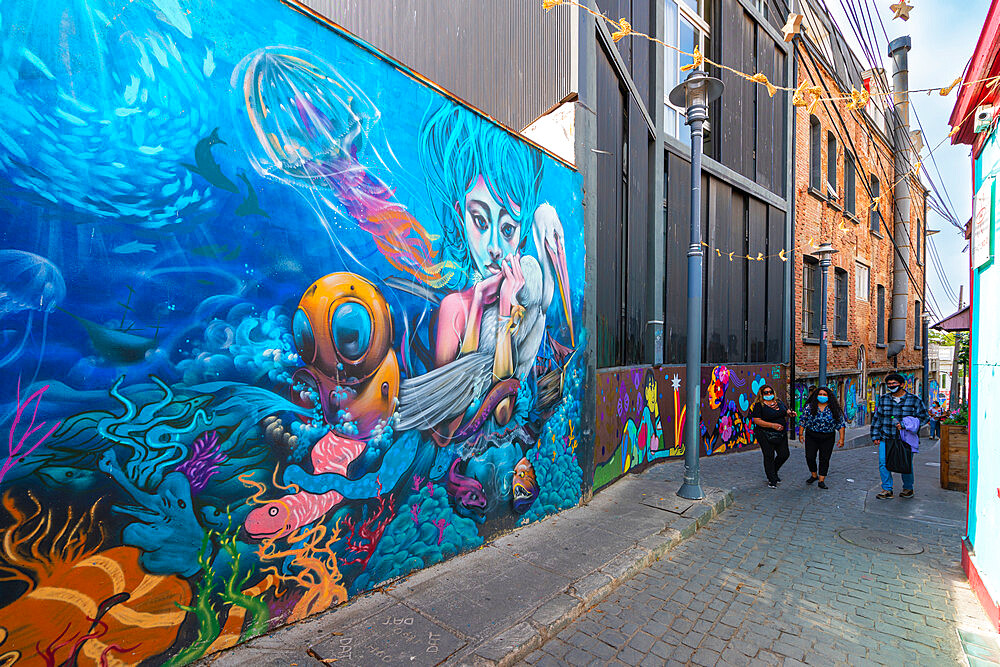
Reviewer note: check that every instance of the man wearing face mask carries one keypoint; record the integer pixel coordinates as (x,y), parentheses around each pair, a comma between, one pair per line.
(887,421)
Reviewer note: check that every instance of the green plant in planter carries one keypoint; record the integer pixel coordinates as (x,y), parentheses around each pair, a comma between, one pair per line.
(959,417)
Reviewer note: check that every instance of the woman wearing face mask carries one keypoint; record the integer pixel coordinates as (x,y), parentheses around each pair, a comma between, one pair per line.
(821,420)
(769,416)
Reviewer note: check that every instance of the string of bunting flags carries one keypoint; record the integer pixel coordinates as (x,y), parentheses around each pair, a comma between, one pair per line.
(805,94)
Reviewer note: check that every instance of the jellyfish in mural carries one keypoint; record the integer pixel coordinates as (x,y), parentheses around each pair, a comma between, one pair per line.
(29,284)
(309,127)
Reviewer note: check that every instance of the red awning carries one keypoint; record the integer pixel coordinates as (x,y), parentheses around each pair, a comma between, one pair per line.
(984,64)
(955,322)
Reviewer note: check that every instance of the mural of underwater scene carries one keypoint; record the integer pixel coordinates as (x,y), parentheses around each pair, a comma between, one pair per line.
(280,322)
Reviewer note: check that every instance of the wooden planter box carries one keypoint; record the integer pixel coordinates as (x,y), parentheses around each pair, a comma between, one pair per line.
(954,457)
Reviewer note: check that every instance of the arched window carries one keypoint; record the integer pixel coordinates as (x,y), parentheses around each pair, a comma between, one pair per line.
(831,163)
(875,216)
(850,184)
(815,168)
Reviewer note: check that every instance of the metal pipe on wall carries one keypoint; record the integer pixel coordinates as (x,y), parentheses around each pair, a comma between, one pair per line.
(898,50)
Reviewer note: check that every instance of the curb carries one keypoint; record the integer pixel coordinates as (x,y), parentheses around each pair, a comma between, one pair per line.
(557,613)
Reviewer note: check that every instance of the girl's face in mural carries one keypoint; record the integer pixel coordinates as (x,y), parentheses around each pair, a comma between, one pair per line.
(491,231)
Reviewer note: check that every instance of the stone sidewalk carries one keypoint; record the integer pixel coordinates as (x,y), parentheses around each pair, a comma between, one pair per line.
(495,605)
(773,580)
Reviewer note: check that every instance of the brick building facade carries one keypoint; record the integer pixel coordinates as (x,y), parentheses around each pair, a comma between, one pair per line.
(842,161)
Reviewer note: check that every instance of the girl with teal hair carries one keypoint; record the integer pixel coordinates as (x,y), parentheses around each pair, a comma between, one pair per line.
(484,187)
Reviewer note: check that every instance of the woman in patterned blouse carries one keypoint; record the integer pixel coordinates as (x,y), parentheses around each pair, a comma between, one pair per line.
(820,421)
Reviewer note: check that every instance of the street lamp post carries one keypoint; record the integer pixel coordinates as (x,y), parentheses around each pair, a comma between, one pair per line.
(694,94)
(824,251)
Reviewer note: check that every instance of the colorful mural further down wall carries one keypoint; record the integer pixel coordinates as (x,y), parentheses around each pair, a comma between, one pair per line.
(641,413)
(281,322)
(640,419)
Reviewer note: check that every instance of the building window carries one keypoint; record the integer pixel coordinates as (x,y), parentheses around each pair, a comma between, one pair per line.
(875,215)
(880,315)
(831,165)
(862,284)
(920,235)
(850,186)
(687,26)
(918,327)
(840,280)
(815,168)
(810,298)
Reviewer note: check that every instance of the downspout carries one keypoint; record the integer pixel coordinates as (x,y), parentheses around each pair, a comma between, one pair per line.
(898,50)
(655,204)
(584,79)
(788,298)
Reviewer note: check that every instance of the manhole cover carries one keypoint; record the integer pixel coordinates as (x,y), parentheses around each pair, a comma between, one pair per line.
(886,543)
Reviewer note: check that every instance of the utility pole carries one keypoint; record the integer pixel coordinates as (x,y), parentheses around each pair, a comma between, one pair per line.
(953,394)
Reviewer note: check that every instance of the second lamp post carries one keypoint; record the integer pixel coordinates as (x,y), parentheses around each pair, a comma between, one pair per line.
(824,251)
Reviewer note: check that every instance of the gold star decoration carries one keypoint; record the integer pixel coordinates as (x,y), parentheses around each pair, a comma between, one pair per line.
(760,77)
(859,99)
(698,61)
(901,10)
(792,26)
(947,90)
(549,4)
(624,30)
(781,254)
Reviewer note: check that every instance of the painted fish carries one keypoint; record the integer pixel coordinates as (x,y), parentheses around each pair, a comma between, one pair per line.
(466,491)
(281,517)
(206,165)
(525,486)
(133,247)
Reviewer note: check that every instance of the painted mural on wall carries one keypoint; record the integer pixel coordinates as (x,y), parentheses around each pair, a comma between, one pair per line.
(280,323)
(728,392)
(641,413)
(640,419)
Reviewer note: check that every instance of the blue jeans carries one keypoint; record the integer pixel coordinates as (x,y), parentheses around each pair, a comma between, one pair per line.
(887,476)
(935,428)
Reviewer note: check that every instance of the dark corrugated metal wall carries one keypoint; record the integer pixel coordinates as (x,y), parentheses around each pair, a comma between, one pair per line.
(509,58)
(611,211)
(742,299)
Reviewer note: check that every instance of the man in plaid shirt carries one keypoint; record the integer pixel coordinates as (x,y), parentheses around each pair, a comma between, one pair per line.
(886,423)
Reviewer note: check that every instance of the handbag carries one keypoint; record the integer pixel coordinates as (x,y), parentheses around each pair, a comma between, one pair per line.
(898,456)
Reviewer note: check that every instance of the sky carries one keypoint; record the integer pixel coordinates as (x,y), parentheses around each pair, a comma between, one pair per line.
(943,35)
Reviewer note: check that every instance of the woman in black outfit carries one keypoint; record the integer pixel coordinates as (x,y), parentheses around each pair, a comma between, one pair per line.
(821,420)
(769,416)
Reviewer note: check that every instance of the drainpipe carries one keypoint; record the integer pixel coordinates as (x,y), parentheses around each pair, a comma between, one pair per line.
(898,49)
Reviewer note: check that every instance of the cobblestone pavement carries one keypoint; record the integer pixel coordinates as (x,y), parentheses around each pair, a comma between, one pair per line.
(770,581)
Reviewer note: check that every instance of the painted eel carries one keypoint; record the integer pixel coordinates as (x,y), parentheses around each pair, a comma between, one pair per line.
(278,518)
(395,463)
(500,391)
